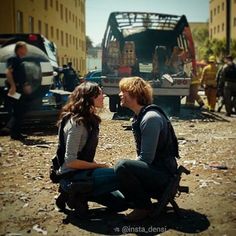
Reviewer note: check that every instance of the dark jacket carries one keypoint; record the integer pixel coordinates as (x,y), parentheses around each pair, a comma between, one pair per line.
(167,147)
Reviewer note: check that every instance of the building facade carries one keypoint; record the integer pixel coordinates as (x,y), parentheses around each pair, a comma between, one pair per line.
(218,19)
(61,21)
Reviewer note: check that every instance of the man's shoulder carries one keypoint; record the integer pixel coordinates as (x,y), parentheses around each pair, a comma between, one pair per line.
(152,116)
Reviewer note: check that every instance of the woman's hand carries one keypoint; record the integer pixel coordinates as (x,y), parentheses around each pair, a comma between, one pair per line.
(102,165)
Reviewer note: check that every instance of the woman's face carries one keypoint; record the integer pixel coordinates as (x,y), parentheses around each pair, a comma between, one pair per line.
(98,101)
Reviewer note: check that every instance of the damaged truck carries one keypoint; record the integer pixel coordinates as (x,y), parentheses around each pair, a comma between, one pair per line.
(157,47)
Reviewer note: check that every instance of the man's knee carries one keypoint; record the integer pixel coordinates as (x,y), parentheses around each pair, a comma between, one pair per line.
(120,167)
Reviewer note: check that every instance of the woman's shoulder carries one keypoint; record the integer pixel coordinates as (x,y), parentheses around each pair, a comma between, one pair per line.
(72,124)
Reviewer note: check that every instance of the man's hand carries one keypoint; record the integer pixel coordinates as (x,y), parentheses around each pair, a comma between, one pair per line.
(12,90)
(103,165)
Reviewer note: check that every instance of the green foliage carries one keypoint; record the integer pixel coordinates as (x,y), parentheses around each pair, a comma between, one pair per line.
(89,42)
(206,47)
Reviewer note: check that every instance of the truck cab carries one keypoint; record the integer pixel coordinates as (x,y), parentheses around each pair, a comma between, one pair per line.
(157,47)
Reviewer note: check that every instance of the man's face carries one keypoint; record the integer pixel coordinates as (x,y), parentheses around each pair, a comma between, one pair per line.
(126,100)
(22,51)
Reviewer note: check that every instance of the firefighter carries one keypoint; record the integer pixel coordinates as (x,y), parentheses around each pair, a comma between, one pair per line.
(208,81)
(193,93)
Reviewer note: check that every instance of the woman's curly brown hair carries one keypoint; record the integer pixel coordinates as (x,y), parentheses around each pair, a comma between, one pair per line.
(80,106)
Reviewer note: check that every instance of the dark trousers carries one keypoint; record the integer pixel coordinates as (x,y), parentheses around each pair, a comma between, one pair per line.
(229,92)
(19,108)
(139,181)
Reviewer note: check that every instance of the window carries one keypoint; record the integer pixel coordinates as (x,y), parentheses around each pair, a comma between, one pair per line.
(75,3)
(52,32)
(51,3)
(70,39)
(223,27)
(61,9)
(211,17)
(66,14)
(46,30)
(218,29)
(19,23)
(73,17)
(69,15)
(62,38)
(234,21)
(66,39)
(57,5)
(73,40)
(76,22)
(45,4)
(214,11)
(214,30)
(57,34)
(40,26)
(211,34)
(223,6)
(218,9)
(76,41)
(76,64)
(31,24)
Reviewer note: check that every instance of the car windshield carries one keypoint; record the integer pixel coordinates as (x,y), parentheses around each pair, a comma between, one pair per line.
(51,54)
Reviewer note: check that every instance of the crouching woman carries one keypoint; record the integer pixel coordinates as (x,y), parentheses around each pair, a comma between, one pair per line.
(84,179)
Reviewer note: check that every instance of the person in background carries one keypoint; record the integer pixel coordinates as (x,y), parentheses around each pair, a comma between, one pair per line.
(16,79)
(229,80)
(208,81)
(193,93)
(70,79)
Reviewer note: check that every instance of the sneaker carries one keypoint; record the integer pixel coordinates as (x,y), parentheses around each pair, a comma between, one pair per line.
(138,214)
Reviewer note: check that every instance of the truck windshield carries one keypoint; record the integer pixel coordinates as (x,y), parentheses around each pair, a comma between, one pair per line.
(50,49)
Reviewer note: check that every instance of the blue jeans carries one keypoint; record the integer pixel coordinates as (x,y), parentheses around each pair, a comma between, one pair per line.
(105,187)
(139,181)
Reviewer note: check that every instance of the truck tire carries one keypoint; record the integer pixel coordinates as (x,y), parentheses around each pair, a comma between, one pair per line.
(113,103)
(176,104)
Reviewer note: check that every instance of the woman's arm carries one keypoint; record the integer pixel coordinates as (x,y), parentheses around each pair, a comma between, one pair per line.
(85,165)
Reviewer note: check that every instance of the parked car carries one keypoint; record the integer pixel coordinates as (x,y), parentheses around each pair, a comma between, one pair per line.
(94,76)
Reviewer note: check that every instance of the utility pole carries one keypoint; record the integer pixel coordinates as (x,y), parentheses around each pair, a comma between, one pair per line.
(228,33)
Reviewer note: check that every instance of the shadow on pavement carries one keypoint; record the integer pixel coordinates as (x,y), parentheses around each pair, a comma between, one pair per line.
(104,222)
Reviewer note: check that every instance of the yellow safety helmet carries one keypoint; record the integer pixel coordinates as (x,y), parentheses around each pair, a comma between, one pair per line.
(211,59)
